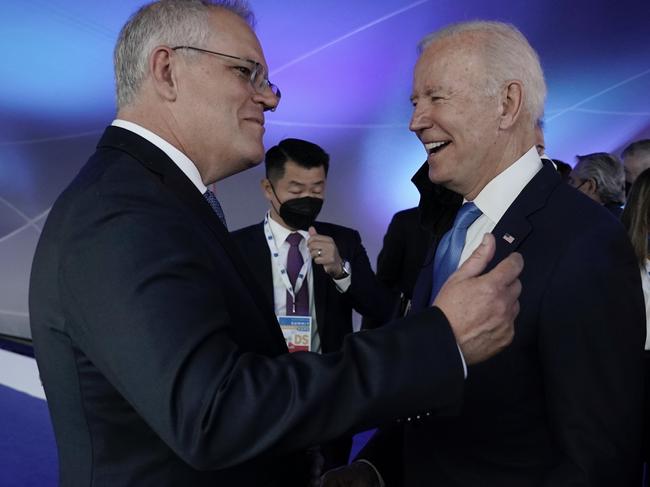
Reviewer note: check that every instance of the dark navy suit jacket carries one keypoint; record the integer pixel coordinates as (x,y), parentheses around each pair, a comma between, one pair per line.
(162,361)
(562,405)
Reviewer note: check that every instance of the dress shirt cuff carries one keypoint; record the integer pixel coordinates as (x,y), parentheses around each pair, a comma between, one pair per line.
(379,477)
(342,285)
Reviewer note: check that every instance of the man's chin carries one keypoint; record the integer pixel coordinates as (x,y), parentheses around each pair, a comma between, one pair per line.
(255,160)
(435,174)
(252,157)
(442,179)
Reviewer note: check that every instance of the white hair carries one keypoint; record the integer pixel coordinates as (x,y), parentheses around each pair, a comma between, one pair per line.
(166,22)
(507,56)
(608,173)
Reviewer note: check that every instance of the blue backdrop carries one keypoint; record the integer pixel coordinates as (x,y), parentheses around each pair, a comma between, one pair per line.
(344,68)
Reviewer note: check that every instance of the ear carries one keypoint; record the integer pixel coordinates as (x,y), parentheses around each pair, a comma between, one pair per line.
(265,184)
(162,74)
(512,101)
(591,188)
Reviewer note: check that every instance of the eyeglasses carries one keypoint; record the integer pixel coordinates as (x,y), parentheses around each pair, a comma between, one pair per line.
(256,73)
(578,183)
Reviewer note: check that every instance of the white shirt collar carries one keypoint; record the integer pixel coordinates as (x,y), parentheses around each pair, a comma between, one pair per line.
(181,160)
(280,232)
(497,196)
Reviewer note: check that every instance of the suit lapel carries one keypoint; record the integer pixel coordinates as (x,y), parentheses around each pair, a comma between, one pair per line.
(175,180)
(510,232)
(513,228)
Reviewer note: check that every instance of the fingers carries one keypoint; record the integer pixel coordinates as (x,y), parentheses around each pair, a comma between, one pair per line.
(509,269)
(319,251)
(481,308)
(318,241)
(505,272)
(322,249)
(312,231)
(476,263)
(497,307)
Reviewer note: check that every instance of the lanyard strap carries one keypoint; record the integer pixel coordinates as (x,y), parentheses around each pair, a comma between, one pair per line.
(275,254)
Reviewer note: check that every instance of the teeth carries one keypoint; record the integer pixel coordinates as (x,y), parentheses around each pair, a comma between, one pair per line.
(434,145)
(431,147)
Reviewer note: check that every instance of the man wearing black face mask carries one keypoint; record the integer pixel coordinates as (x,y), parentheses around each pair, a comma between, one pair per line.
(315,273)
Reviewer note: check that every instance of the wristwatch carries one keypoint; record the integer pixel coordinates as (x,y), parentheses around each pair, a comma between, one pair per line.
(346,270)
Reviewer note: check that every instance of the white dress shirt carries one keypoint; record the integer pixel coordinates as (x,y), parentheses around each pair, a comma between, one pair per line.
(280,234)
(497,196)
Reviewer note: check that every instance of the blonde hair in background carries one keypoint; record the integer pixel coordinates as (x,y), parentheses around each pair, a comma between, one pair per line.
(636,215)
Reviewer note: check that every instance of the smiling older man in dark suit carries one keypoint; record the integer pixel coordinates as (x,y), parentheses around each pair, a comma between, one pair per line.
(562,406)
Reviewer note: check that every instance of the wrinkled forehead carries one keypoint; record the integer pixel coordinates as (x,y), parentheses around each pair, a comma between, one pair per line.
(448,61)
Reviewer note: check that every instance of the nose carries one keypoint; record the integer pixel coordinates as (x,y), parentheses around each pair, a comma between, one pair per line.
(268,99)
(420,120)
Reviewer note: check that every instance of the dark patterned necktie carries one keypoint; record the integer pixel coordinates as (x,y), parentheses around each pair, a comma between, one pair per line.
(215,205)
(451,247)
(294,264)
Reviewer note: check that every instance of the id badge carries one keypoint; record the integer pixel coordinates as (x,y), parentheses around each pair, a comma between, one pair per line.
(297,332)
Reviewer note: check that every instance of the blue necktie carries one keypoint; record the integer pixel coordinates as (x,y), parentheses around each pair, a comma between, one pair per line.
(451,246)
(216,206)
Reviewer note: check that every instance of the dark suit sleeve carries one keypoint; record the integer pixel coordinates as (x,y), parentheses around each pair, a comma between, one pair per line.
(592,330)
(158,326)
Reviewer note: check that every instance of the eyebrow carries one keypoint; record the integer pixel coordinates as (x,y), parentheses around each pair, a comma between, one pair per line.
(298,183)
(427,92)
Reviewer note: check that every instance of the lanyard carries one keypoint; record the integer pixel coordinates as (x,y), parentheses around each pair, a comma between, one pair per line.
(275,254)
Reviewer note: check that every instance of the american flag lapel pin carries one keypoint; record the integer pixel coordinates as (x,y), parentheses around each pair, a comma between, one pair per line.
(508,238)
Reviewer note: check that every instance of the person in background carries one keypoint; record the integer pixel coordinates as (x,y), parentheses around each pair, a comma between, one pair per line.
(636,219)
(636,159)
(601,177)
(314,273)
(563,168)
(399,262)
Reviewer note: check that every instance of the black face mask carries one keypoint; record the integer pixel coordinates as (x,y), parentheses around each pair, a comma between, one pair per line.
(300,213)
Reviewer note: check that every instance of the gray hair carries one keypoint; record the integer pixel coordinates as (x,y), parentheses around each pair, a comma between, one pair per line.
(166,22)
(507,56)
(608,173)
(640,147)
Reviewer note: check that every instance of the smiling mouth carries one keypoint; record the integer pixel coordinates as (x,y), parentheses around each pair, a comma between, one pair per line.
(435,147)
